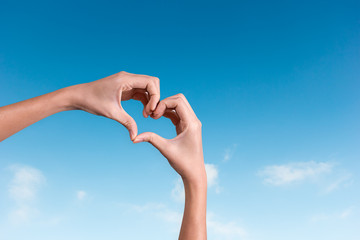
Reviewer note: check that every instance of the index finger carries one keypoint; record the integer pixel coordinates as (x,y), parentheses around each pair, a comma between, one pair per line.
(178,103)
(152,86)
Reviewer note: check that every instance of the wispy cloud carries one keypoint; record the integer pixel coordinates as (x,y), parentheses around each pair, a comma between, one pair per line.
(217,228)
(294,172)
(81,195)
(324,174)
(170,216)
(224,230)
(23,189)
(347,212)
(178,193)
(340,215)
(229,152)
(145,207)
(212,173)
(158,210)
(22,214)
(343,180)
(25,183)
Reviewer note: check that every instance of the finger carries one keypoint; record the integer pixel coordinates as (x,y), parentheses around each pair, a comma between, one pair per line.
(172,115)
(187,103)
(157,141)
(125,119)
(154,94)
(175,102)
(152,86)
(143,98)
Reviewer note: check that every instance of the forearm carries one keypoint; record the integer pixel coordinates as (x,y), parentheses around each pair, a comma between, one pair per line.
(18,116)
(194,220)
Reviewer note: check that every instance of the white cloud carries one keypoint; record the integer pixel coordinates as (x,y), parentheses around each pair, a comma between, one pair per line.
(23,189)
(145,207)
(217,229)
(340,215)
(157,209)
(224,230)
(81,195)
(344,179)
(170,216)
(178,193)
(212,173)
(22,213)
(25,183)
(346,213)
(229,152)
(294,172)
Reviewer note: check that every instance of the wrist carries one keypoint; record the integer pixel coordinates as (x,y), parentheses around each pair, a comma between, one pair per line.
(67,98)
(197,181)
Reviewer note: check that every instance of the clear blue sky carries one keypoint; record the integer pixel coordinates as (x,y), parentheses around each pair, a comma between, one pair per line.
(275,84)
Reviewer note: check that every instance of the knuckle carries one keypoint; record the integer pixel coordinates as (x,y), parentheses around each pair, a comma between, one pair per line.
(156,94)
(196,125)
(180,95)
(121,73)
(156,79)
(179,101)
(150,137)
(161,105)
(152,85)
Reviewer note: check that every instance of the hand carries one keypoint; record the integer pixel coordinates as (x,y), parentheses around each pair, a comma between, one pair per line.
(184,152)
(185,155)
(103,97)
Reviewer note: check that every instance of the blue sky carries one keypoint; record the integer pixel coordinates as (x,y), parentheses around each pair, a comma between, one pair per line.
(275,84)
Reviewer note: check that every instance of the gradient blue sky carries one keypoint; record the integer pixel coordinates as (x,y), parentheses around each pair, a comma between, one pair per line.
(275,84)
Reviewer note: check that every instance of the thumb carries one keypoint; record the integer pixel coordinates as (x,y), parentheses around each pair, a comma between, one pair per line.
(125,119)
(157,141)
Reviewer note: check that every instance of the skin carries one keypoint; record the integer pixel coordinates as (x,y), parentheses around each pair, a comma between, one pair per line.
(185,155)
(103,97)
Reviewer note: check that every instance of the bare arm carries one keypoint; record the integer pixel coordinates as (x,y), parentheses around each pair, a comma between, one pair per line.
(102,97)
(18,116)
(185,155)
(194,220)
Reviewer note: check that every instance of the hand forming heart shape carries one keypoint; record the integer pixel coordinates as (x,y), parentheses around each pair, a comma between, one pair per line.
(103,97)
(184,152)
